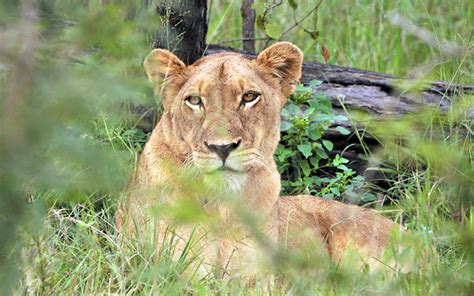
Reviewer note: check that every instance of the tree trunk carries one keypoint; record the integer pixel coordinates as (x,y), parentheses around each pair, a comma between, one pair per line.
(248,25)
(184,28)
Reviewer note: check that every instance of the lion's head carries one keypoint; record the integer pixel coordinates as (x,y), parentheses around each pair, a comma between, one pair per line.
(224,110)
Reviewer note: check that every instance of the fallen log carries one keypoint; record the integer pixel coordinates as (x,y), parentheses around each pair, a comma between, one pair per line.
(370,91)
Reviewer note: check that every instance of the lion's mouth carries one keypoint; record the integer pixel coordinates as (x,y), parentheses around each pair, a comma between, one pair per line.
(209,164)
(227,168)
(224,169)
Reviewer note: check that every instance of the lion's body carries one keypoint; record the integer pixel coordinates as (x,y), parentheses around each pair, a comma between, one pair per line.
(203,114)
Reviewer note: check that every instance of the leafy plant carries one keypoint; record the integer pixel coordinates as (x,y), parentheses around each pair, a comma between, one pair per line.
(303,157)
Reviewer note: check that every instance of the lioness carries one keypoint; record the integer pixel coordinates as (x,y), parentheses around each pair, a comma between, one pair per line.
(221,119)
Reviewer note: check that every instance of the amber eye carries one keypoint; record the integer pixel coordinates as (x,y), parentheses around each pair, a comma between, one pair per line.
(194,102)
(250,98)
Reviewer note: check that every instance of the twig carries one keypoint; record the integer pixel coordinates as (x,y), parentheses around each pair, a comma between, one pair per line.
(244,39)
(297,23)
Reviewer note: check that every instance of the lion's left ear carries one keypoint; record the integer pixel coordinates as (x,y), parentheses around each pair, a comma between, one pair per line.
(282,60)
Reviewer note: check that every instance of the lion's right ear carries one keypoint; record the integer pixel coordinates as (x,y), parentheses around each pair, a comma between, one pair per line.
(283,61)
(162,66)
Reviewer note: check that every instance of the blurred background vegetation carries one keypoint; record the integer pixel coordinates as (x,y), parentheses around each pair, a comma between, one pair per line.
(71,72)
(359,33)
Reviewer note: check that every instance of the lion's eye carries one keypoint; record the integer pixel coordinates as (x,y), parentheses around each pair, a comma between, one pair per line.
(250,98)
(194,102)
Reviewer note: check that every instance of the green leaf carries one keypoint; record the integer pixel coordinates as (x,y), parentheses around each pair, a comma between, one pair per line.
(340,118)
(260,22)
(321,117)
(343,167)
(273,30)
(314,34)
(293,4)
(328,144)
(285,125)
(314,132)
(315,162)
(343,130)
(328,196)
(322,154)
(303,164)
(305,149)
(293,110)
(259,7)
(313,83)
(335,190)
(308,111)
(301,88)
(309,181)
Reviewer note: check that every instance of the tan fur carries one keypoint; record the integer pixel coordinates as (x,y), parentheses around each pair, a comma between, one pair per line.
(179,140)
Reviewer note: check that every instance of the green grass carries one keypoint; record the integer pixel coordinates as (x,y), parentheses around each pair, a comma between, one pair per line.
(359,34)
(78,149)
(76,251)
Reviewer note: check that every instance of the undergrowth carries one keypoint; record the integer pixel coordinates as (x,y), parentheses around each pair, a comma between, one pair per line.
(303,155)
(66,149)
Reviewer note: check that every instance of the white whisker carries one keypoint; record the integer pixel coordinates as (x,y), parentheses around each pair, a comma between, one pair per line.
(188,161)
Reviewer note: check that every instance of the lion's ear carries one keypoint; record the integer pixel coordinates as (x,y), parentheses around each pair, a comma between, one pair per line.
(162,66)
(282,60)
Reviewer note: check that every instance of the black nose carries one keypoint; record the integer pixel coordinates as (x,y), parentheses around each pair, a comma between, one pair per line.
(223,150)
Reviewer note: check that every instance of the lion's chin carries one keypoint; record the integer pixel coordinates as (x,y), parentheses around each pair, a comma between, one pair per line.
(227,179)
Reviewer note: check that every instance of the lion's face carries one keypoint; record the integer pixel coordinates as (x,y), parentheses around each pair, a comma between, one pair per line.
(224,109)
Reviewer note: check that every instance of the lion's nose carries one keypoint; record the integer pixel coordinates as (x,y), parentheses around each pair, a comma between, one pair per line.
(223,150)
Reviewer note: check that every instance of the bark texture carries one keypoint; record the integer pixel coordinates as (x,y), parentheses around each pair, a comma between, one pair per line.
(248,25)
(184,28)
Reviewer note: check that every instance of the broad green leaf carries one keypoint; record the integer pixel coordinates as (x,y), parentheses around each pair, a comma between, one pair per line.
(285,125)
(336,191)
(259,22)
(293,4)
(301,88)
(321,117)
(308,111)
(314,132)
(343,167)
(328,196)
(305,149)
(293,110)
(328,144)
(340,118)
(259,7)
(344,131)
(313,83)
(315,162)
(273,30)
(303,164)
(321,153)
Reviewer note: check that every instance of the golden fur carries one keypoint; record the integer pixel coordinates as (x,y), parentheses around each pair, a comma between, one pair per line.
(185,137)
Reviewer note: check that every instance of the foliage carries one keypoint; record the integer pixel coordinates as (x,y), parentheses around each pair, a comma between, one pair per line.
(360,35)
(68,143)
(303,156)
(59,69)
